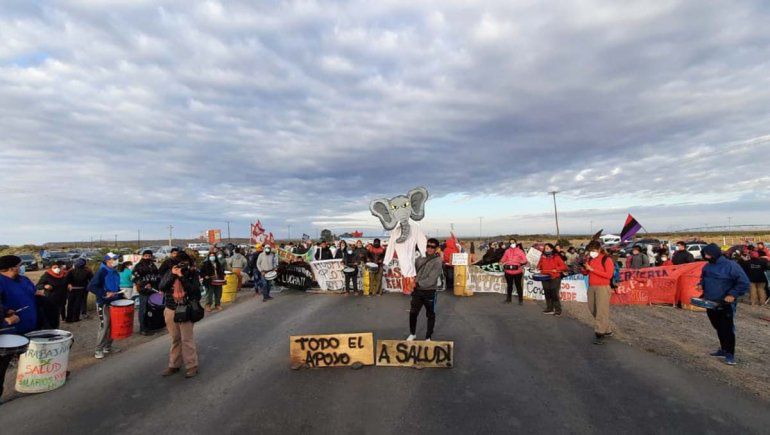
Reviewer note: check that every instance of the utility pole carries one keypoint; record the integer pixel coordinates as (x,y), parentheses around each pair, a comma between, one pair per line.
(592,227)
(170,234)
(139,239)
(481,218)
(289,236)
(555,213)
(228,231)
(116,240)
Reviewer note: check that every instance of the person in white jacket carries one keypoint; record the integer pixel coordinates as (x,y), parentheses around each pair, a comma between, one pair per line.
(266,262)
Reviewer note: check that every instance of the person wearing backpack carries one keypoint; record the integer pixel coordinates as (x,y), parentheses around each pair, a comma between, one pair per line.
(600,270)
(552,264)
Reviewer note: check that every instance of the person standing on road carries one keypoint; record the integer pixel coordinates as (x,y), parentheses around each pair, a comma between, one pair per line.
(350,259)
(236,263)
(105,285)
(429,279)
(169,262)
(513,262)
(146,277)
(723,282)
(266,263)
(552,264)
(180,285)
(600,268)
(17,293)
(755,268)
(376,254)
(55,284)
(681,256)
(78,279)
(323,252)
(212,270)
(449,270)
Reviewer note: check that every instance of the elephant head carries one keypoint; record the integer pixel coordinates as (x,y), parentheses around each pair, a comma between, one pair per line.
(399,209)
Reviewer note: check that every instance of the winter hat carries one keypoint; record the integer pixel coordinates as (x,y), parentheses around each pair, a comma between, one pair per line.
(9,261)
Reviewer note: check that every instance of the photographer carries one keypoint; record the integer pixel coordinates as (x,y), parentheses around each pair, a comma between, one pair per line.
(181,286)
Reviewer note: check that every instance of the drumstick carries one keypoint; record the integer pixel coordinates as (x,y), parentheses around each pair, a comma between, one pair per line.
(20,309)
(7,329)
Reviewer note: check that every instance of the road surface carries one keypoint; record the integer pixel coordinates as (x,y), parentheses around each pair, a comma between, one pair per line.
(515,370)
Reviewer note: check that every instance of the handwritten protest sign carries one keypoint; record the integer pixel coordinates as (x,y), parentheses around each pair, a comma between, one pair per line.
(396,353)
(533,257)
(336,350)
(481,281)
(459,259)
(391,278)
(573,288)
(295,275)
(328,274)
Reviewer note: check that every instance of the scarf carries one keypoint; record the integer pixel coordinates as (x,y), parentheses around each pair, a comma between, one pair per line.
(178,290)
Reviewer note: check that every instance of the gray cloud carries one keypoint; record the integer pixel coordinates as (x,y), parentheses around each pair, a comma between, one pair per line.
(123,114)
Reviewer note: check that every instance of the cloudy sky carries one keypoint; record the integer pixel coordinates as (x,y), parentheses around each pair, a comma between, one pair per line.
(126,115)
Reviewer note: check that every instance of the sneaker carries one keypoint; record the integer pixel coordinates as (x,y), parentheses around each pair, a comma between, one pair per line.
(557,314)
(99,354)
(719,352)
(191,373)
(411,337)
(599,340)
(169,371)
(609,334)
(521,303)
(730,359)
(427,339)
(112,350)
(548,312)
(507,301)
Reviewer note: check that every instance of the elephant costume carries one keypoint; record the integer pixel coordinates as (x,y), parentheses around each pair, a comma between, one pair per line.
(395,215)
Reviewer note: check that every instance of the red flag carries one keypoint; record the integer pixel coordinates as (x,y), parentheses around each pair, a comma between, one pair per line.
(256,231)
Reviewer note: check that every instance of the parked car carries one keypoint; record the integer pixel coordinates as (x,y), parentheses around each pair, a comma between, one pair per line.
(29,262)
(163,252)
(203,251)
(64,257)
(154,249)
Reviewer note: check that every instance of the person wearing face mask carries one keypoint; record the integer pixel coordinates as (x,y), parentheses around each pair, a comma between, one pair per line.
(513,262)
(105,285)
(126,272)
(55,284)
(681,256)
(755,268)
(266,263)
(350,259)
(146,278)
(376,255)
(212,270)
(552,264)
(78,279)
(723,282)
(18,307)
(600,268)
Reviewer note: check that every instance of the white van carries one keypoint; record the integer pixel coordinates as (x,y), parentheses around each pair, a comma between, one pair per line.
(610,240)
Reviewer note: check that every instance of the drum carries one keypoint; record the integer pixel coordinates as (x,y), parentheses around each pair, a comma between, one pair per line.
(348,270)
(48,354)
(156,299)
(541,277)
(121,319)
(271,275)
(153,316)
(218,281)
(11,344)
(372,266)
(704,303)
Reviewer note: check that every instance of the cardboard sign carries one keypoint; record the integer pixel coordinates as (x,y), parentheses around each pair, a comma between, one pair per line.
(459,259)
(336,350)
(397,353)
(328,274)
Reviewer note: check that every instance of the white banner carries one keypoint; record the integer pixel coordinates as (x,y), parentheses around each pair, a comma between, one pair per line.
(328,274)
(573,287)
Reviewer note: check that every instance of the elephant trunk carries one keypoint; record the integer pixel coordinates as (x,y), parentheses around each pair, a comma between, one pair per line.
(405,231)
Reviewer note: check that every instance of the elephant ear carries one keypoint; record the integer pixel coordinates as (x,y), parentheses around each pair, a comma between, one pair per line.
(417,198)
(381,209)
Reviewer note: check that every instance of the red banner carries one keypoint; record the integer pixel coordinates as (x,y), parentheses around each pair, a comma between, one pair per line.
(658,285)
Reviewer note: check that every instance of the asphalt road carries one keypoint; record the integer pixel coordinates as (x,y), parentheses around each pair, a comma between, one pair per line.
(515,370)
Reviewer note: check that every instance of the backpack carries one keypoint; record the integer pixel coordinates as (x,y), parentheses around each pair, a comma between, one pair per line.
(615,274)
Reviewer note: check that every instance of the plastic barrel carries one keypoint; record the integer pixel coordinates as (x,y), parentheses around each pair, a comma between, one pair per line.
(43,367)
(367,281)
(460,280)
(121,319)
(230,289)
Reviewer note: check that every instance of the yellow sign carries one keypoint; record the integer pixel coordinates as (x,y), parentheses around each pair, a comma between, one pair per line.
(396,353)
(336,350)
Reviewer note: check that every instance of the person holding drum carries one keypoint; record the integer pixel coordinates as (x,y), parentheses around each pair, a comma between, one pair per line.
(376,256)
(266,263)
(213,274)
(105,285)
(552,264)
(146,278)
(513,262)
(350,260)
(18,312)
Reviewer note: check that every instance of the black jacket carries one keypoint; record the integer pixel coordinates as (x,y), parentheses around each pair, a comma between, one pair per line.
(58,293)
(211,271)
(323,254)
(79,277)
(146,272)
(350,260)
(755,269)
(682,257)
(167,265)
(190,282)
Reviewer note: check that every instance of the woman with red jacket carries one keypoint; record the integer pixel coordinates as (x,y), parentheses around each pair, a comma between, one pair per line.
(599,267)
(552,264)
(513,261)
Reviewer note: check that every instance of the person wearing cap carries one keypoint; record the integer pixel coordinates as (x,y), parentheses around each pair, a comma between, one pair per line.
(146,278)
(18,309)
(723,282)
(105,285)
(169,262)
(55,283)
(266,263)
(77,280)
(429,279)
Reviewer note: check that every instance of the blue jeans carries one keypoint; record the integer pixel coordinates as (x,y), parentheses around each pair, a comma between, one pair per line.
(266,290)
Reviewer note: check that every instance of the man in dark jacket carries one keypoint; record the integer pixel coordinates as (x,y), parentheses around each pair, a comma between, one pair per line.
(722,281)
(376,254)
(323,252)
(681,255)
(146,276)
(350,259)
(430,275)
(755,268)
(78,278)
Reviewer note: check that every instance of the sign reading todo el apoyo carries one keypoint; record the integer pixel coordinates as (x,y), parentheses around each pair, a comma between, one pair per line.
(334,350)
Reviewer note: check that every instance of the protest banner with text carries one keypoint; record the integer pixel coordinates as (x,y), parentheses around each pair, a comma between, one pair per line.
(397,353)
(333,350)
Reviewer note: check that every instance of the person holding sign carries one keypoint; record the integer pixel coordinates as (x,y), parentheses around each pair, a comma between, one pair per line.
(513,262)
(553,265)
(430,278)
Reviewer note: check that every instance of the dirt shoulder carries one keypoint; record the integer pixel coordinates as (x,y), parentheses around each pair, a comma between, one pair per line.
(686,337)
